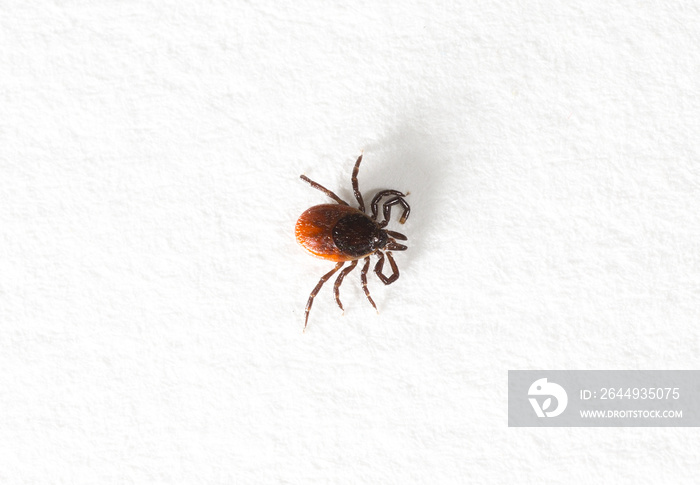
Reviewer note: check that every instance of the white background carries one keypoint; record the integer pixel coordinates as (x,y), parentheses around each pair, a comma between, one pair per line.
(152,292)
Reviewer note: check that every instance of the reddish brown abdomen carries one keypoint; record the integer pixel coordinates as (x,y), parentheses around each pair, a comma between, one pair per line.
(314,230)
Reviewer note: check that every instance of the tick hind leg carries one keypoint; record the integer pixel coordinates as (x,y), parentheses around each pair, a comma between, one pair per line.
(323,189)
(387,280)
(314,292)
(365,268)
(339,280)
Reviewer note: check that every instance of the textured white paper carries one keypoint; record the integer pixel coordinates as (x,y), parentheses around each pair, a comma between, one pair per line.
(152,292)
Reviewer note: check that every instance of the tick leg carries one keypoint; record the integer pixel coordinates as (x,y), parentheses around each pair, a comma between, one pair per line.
(314,292)
(365,268)
(339,280)
(386,209)
(355,186)
(323,189)
(377,198)
(380,265)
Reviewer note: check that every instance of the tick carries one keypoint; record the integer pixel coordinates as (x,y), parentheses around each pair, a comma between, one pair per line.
(341,233)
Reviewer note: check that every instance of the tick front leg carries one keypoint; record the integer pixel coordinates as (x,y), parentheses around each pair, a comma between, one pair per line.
(314,292)
(339,280)
(365,268)
(380,265)
(375,201)
(386,209)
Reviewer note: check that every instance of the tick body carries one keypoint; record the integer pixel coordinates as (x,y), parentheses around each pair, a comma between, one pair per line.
(340,233)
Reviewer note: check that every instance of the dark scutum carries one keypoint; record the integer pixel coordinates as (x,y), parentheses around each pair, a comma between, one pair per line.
(357,235)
